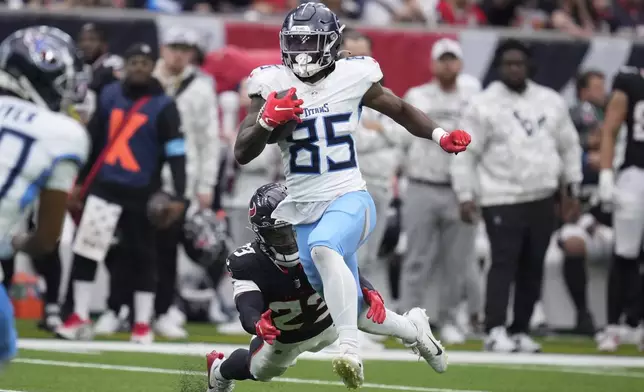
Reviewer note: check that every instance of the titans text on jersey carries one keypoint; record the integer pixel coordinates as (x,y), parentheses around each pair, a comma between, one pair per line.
(298,311)
(319,159)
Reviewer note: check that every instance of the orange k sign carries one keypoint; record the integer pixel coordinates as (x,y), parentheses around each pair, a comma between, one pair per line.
(121,150)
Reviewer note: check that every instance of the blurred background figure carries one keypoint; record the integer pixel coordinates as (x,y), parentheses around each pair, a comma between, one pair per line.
(238,183)
(438,242)
(378,142)
(121,179)
(519,218)
(589,240)
(194,94)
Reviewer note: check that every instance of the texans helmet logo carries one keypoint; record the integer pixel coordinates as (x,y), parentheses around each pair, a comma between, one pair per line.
(252,210)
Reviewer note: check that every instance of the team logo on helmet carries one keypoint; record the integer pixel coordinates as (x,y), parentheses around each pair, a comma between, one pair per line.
(252,210)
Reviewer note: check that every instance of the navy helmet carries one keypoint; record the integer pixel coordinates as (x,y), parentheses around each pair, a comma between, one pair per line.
(42,64)
(206,237)
(310,39)
(276,237)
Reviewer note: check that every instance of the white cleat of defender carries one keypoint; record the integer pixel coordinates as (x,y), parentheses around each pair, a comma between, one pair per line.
(426,345)
(348,366)
(216,384)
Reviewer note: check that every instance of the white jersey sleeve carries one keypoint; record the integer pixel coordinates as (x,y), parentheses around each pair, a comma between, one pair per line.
(62,176)
(268,78)
(360,72)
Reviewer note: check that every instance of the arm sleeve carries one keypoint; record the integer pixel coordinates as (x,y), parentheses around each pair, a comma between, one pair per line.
(171,138)
(96,129)
(250,306)
(569,148)
(463,166)
(207,139)
(63,175)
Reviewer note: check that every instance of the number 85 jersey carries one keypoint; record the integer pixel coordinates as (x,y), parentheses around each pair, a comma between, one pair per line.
(298,311)
(319,158)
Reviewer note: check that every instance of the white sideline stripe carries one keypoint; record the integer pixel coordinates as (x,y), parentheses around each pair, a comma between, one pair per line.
(10,390)
(139,369)
(456,357)
(590,372)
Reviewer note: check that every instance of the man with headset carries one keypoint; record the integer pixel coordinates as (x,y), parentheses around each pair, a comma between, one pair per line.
(524,150)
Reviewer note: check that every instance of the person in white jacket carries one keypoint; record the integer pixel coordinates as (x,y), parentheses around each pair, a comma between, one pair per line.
(438,242)
(524,149)
(194,93)
(378,142)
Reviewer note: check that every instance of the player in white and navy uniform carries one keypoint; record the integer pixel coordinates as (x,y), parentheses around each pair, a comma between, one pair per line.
(279,306)
(328,204)
(40,150)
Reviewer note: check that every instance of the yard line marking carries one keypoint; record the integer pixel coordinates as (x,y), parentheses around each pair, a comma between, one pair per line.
(141,369)
(456,357)
(573,370)
(9,390)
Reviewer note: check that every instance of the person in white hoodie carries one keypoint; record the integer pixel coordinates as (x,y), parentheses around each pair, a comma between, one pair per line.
(378,142)
(438,241)
(197,103)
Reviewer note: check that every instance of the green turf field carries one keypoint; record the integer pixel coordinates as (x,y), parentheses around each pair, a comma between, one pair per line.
(102,371)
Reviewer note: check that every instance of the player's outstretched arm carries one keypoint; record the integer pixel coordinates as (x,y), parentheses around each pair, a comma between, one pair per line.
(252,137)
(415,121)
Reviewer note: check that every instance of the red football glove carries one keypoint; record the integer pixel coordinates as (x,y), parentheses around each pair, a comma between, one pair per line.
(377,311)
(265,328)
(455,141)
(278,111)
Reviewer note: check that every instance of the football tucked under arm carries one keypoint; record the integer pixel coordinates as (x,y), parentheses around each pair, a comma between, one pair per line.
(281,132)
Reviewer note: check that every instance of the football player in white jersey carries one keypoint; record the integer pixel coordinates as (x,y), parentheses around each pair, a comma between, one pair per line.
(41,150)
(328,203)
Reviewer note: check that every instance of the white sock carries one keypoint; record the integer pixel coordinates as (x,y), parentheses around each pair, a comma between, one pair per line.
(340,293)
(82,297)
(394,325)
(143,306)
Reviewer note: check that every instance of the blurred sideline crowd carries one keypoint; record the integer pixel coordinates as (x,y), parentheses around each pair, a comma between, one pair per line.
(574,17)
(431,247)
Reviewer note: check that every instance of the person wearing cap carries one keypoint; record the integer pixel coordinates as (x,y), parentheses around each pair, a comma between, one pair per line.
(195,96)
(440,246)
(378,143)
(524,150)
(135,130)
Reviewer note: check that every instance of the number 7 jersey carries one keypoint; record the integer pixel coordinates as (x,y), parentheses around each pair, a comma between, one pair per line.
(319,158)
(39,149)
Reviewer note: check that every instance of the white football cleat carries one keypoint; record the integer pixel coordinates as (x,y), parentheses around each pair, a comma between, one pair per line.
(107,324)
(426,345)
(142,334)
(75,328)
(177,315)
(498,341)
(348,366)
(217,384)
(526,344)
(608,340)
(168,328)
(451,334)
(232,328)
